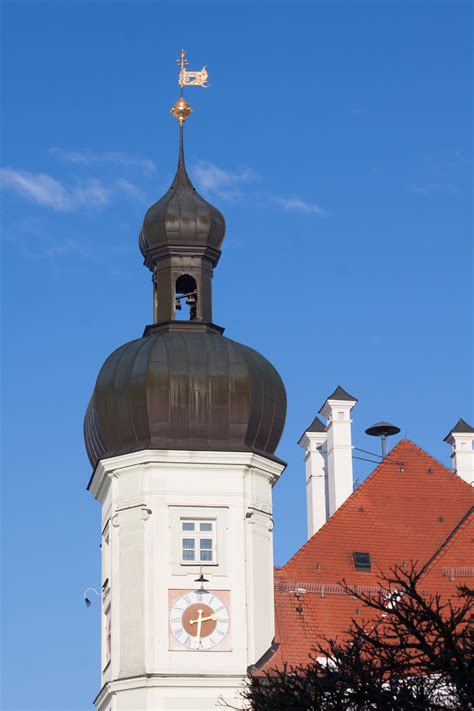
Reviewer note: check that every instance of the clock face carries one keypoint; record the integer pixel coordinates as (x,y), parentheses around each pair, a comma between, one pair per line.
(199,620)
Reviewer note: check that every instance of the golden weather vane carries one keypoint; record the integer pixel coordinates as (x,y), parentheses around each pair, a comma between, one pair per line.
(181,109)
(187,78)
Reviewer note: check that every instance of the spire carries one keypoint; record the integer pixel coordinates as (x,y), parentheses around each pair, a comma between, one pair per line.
(181,172)
(182,233)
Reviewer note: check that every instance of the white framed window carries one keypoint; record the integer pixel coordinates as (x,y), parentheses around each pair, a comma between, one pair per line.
(198,541)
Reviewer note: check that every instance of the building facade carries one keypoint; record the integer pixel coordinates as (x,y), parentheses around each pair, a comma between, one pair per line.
(181,432)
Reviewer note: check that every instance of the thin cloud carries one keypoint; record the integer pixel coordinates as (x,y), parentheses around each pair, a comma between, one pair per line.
(130,189)
(295,204)
(44,190)
(88,157)
(226,184)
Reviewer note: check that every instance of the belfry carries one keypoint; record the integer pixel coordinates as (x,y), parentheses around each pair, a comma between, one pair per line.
(181,432)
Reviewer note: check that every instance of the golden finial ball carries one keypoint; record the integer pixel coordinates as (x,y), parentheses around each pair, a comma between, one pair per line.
(181,110)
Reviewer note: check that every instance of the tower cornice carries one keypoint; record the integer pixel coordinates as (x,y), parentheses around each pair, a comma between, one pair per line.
(178,458)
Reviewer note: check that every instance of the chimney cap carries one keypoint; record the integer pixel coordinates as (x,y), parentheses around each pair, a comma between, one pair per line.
(315,426)
(339,394)
(461,427)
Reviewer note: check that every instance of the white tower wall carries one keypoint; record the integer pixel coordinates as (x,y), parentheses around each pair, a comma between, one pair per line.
(144,496)
(339,451)
(314,444)
(462,455)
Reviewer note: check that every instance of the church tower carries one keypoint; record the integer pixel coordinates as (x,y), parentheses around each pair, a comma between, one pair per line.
(181,432)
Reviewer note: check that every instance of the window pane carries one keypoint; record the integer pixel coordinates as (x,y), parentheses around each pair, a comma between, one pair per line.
(206,555)
(362,561)
(188,543)
(206,543)
(188,526)
(188,555)
(206,526)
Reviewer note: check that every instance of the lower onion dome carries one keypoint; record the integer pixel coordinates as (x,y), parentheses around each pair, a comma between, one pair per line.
(187,389)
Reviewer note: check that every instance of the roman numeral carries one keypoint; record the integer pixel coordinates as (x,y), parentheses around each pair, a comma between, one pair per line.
(187,598)
(221,607)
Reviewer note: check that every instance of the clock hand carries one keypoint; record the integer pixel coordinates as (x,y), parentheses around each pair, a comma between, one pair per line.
(209,617)
(204,619)
(198,633)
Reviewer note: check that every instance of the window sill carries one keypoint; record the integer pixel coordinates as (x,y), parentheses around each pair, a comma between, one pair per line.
(197,564)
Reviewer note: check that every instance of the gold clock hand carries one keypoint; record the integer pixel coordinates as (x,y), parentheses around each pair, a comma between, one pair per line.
(193,622)
(209,617)
(199,625)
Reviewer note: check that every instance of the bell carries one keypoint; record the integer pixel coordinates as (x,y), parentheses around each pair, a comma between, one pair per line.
(178,305)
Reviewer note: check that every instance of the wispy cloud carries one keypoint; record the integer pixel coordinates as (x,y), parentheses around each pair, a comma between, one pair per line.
(230,185)
(130,189)
(226,184)
(88,157)
(49,192)
(296,204)
(44,190)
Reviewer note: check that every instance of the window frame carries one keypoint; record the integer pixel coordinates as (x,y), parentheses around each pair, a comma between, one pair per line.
(196,536)
(362,567)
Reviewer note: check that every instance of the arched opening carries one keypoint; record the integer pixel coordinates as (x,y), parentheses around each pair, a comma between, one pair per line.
(186,298)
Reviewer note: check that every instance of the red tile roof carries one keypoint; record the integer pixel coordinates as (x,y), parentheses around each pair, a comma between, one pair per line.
(453,563)
(411,508)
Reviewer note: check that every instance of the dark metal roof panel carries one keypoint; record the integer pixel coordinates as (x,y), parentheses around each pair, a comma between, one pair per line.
(338,394)
(461,427)
(315,426)
(185,390)
(181,217)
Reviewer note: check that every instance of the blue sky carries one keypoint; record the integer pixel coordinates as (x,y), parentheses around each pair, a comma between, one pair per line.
(335,138)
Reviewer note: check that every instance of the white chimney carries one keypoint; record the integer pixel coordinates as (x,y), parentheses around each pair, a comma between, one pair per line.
(313,442)
(337,410)
(461,439)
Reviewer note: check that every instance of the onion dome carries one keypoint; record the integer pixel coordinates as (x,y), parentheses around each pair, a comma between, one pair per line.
(183,387)
(181,218)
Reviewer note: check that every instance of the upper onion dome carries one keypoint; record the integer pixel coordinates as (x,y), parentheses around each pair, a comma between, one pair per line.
(181,218)
(185,387)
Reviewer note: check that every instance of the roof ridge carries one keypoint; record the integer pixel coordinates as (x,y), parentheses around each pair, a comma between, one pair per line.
(448,541)
(378,469)
(436,461)
(361,486)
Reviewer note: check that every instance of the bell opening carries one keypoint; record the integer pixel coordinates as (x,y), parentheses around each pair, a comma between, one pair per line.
(186,298)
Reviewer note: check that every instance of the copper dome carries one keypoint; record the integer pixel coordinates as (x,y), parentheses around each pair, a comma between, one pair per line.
(181,218)
(185,386)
